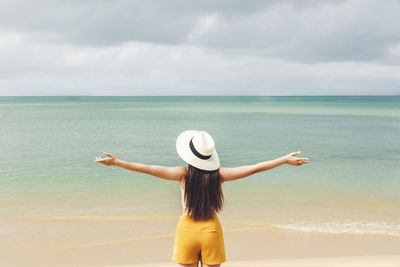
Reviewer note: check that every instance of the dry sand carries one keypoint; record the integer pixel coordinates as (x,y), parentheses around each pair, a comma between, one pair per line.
(364,261)
(266,248)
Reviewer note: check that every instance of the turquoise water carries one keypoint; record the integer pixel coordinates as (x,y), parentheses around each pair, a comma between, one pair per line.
(49,144)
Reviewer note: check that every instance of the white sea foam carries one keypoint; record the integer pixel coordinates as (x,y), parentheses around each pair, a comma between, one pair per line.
(339,227)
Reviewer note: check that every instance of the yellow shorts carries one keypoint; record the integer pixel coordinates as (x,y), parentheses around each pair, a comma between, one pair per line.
(199,241)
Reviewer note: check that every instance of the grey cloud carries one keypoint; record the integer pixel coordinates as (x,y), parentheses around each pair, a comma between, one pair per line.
(307,31)
(230,47)
(346,31)
(297,30)
(112,22)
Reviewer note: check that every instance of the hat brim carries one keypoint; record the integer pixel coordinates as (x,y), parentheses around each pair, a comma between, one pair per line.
(183,149)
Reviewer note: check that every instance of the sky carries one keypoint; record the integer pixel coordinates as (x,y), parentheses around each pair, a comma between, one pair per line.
(208,47)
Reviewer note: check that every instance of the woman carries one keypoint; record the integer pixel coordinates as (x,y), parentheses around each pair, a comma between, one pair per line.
(199,234)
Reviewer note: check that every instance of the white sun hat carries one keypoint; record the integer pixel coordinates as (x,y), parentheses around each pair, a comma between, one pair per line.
(197,148)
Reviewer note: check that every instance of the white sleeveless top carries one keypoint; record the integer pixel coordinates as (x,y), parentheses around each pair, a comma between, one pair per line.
(183,200)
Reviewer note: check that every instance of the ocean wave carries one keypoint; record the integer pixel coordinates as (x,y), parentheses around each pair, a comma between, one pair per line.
(341,227)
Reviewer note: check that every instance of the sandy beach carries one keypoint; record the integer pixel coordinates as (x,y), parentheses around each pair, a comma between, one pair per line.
(244,248)
(364,261)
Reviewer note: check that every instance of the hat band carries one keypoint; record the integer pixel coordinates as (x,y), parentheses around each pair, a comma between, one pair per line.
(197,152)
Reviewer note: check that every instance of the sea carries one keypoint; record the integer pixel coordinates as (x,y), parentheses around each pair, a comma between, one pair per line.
(52,191)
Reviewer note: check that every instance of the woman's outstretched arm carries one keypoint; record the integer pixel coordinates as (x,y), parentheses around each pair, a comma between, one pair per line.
(230,174)
(169,173)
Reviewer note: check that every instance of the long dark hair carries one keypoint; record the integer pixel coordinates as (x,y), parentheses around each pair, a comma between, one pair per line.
(203,193)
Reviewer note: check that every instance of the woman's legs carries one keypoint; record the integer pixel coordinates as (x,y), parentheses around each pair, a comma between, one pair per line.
(201,264)
(206,265)
(189,265)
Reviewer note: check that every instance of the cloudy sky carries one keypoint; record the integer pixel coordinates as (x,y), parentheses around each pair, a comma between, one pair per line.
(208,47)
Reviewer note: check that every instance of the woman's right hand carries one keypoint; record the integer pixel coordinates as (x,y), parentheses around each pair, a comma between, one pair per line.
(292,160)
(107,161)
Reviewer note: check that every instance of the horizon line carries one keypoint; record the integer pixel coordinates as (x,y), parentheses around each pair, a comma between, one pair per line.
(177,95)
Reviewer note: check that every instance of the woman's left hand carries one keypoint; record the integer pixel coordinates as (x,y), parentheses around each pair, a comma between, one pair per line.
(107,161)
